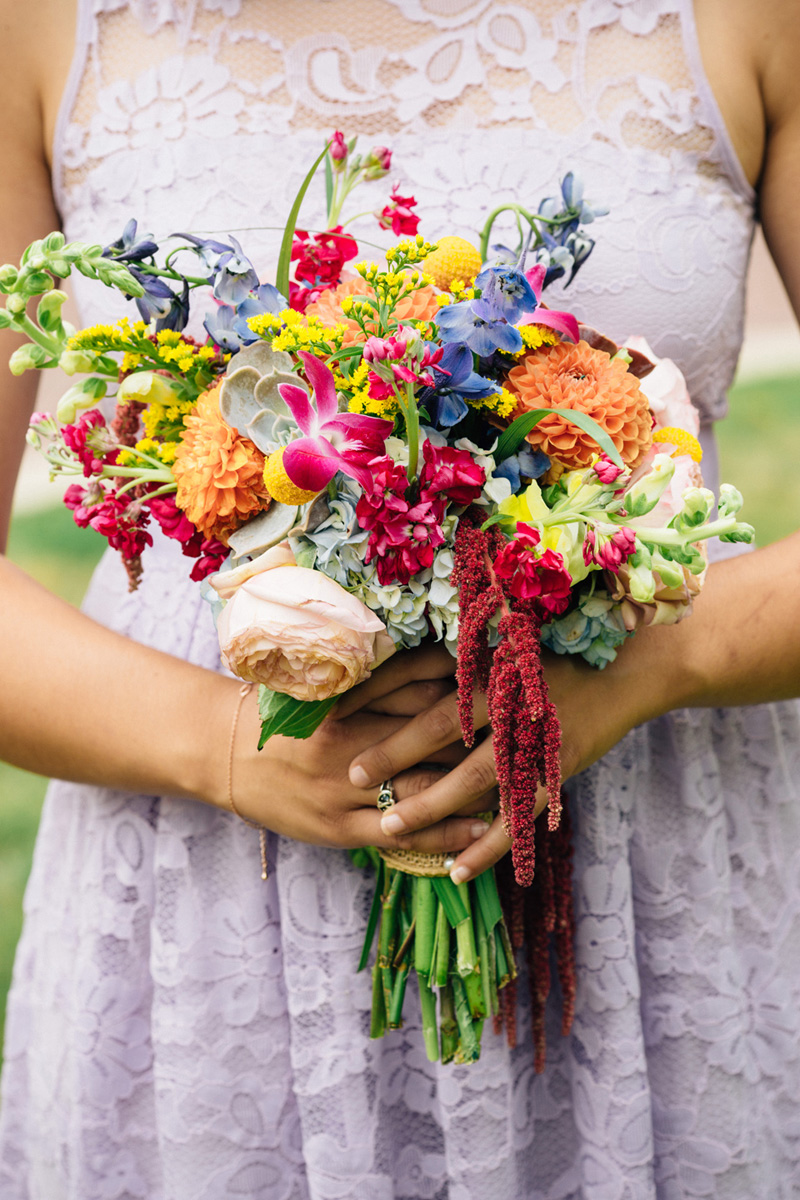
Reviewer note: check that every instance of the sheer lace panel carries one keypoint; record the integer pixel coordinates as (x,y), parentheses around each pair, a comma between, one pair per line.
(378,67)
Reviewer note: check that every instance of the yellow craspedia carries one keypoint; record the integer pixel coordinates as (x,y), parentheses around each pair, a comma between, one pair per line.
(278,483)
(686,443)
(453,259)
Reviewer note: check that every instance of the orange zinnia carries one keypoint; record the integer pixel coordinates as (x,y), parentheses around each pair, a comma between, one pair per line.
(589,380)
(220,474)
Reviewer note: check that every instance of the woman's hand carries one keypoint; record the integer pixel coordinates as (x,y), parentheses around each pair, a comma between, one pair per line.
(300,788)
(596,709)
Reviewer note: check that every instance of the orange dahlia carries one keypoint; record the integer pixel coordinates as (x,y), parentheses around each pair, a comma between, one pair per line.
(220,474)
(589,380)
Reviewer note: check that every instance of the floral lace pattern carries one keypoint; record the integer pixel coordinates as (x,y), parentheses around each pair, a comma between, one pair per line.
(180,1031)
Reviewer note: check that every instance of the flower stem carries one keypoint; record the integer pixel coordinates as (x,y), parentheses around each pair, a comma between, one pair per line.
(448,1025)
(377,1026)
(469,1050)
(442,964)
(430,1032)
(425,919)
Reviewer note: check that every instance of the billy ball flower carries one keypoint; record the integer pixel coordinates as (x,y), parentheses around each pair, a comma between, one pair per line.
(590,381)
(219,474)
(453,259)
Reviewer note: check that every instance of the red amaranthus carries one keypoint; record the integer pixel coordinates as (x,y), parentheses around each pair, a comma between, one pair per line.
(526,737)
(525,728)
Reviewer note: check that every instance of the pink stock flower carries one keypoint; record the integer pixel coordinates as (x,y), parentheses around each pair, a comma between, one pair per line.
(531,576)
(212,556)
(609,552)
(450,472)
(397,215)
(606,470)
(81,501)
(173,520)
(92,442)
(334,441)
(174,523)
(404,544)
(403,537)
(121,521)
(338,147)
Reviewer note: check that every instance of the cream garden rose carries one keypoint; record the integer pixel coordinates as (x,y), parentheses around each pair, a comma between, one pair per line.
(295,630)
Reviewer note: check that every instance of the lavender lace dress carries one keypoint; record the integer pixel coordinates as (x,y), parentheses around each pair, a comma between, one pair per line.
(179,1030)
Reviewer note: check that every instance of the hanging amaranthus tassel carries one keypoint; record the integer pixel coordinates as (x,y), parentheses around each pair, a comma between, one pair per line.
(494,576)
(525,730)
(538,917)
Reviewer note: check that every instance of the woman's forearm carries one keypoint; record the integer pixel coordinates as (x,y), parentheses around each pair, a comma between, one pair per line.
(741,644)
(83,703)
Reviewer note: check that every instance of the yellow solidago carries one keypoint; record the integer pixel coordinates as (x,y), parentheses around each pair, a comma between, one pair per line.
(362,402)
(534,336)
(502,403)
(294,331)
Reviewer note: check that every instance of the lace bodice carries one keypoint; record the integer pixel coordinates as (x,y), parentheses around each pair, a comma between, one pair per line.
(178,111)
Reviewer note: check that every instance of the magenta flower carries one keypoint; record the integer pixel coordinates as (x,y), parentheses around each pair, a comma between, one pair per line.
(450,472)
(606,470)
(92,442)
(334,441)
(402,537)
(609,552)
(542,577)
(338,147)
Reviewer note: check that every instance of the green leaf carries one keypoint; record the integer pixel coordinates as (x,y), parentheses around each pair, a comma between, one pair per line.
(290,717)
(285,256)
(518,430)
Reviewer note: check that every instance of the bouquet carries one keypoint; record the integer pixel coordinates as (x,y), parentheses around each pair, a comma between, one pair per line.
(358,457)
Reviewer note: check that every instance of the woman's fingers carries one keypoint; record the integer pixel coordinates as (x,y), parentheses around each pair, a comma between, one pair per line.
(363,828)
(417,741)
(412,699)
(431,661)
(469,785)
(482,853)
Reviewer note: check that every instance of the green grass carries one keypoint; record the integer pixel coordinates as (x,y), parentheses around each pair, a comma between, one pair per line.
(759,451)
(759,447)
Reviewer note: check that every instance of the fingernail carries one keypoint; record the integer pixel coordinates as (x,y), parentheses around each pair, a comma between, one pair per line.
(393,823)
(359,777)
(478,829)
(459,874)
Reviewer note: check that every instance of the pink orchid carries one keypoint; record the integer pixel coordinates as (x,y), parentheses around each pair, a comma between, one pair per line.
(562,322)
(334,441)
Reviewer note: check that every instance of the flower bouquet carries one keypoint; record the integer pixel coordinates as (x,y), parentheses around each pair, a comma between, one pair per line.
(355,459)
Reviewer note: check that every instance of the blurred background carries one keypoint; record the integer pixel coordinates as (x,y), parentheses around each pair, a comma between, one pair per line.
(759,446)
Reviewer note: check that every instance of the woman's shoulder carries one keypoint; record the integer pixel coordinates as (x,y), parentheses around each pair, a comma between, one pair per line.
(38,40)
(750,51)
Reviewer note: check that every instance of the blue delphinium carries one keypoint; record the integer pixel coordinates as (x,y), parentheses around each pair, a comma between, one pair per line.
(129,247)
(527,461)
(456,383)
(265,298)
